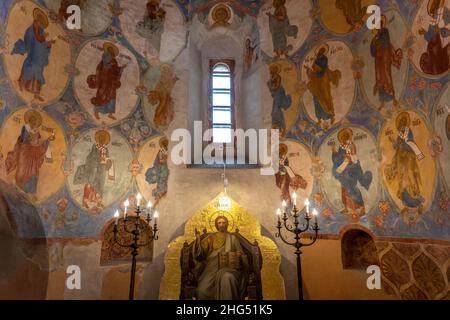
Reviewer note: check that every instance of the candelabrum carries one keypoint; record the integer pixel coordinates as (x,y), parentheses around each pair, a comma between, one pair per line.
(291,222)
(136,229)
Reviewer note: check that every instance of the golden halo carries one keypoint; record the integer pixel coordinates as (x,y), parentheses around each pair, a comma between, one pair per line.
(33,114)
(325,45)
(228,215)
(400,117)
(344,135)
(110,45)
(282,149)
(102,137)
(275,68)
(40,16)
(221,14)
(164,143)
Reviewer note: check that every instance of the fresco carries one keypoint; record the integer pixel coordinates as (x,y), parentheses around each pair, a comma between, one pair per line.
(430,50)
(101,160)
(294,174)
(351,179)
(96,15)
(330,82)
(441,125)
(385,63)
(154,28)
(408,169)
(282,92)
(33,144)
(147,87)
(153,176)
(158,103)
(108,78)
(38,53)
(281,34)
(343,16)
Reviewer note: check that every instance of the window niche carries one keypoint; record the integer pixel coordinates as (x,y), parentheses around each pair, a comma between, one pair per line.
(358,250)
(210,47)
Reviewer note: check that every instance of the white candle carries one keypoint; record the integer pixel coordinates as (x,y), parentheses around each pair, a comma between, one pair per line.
(294,197)
(283,205)
(156,215)
(315,213)
(149,208)
(126,205)
(278,214)
(116,216)
(307,205)
(138,198)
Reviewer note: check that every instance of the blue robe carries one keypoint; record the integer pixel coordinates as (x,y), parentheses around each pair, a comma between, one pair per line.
(281,101)
(350,177)
(158,174)
(37,55)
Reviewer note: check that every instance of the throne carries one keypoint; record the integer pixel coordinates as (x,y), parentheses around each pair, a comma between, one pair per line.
(251,250)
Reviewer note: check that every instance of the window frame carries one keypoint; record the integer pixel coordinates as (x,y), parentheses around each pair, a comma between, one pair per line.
(231,66)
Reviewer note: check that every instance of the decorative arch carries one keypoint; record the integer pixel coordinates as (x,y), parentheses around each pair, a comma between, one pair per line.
(358,249)
(249,227)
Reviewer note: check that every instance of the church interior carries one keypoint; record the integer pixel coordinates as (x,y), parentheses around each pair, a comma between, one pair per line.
(195,149)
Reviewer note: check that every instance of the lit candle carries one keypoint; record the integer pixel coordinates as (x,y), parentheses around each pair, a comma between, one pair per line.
(126,204)
(294,197)
(284,205)
(156,215)
(315,213)
(278,214)
(116,216)
(307,205)
(138,198)
(149,209)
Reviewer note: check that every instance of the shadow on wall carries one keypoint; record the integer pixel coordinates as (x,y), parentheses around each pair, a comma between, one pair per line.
(24,265)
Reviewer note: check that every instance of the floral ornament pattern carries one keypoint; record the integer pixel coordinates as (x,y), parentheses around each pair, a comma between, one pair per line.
(428,275)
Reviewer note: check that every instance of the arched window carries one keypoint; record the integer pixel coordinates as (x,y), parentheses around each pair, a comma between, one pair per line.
(221,111)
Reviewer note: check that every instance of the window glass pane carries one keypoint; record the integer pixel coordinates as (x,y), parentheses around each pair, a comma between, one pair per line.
(221,68)
(221,83)
(221,99)
(221,135)
(222,116)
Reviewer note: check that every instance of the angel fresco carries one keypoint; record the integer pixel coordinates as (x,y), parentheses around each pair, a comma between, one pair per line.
(37,48)
(106,80)
(348,171)
(152,25)
(281,100)
(286,177)
(30,152)
(404,167)
(159,172)
(386,56)
(436,59)
(320,79)
(96,169)
(281,28)
(353,11)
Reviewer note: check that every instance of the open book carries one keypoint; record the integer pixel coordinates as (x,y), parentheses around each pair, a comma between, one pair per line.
(230,260)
